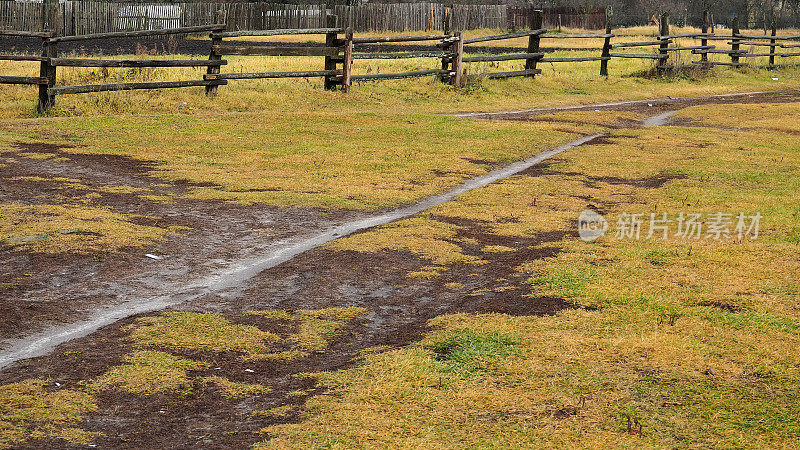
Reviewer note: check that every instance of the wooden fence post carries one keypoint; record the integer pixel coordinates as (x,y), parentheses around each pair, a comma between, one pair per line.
(704,42)
(457,70)
(214,56)
(347,64)
(607,43)
(663,48)
(448,29)
(534,41)
(772,44)
(49,50)
(331,21)
(735,42)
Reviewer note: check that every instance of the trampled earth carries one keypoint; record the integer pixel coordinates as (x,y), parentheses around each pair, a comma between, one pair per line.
(240,365)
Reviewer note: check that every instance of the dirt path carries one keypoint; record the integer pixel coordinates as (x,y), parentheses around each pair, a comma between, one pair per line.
(47,291)
(232,276)
(288,273)
(649,106)
(69,297)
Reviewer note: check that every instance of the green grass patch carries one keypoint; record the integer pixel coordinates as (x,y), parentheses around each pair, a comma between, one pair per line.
(471,352)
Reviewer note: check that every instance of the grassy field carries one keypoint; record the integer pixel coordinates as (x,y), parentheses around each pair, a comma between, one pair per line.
(668,343)
(289,143)
(684,342)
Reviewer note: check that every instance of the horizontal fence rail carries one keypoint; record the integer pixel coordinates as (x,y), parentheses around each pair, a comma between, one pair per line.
(132,86)
(134,63)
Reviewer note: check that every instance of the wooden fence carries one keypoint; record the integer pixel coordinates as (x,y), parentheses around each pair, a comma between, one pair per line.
(340,52)
(90,17)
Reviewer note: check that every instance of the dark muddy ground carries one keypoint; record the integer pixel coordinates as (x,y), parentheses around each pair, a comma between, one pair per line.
(198,47)
(64,288)
(398,309)
(38,290)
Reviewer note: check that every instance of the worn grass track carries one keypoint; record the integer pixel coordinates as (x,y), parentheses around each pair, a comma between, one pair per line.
(538,338)
(483,320)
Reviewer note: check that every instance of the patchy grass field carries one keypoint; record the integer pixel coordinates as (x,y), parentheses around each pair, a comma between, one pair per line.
(684,342)
(483,322)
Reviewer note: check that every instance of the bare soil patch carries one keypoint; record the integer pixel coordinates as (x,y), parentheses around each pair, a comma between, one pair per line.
(398,308)
(38,289)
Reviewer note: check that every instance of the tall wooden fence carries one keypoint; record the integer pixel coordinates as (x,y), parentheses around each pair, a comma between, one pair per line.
(78,17)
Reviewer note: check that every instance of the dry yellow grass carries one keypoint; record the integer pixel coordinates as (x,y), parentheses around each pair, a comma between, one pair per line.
(29,411)
(289,143)
(72,229)
(149,372)
(198,331)
(668,310)
(693,343)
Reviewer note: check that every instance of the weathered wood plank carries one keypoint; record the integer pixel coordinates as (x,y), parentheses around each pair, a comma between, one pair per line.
(718,51)
(347,62)
(663,49)
(331,41)
(264,75)
(399,75)
(457,62)
(506,57)
(637,56)
(381,39)
(777,38)
(511,74)
(534,40)
(686,35)
(759,55)
(577,36)
(258,50)
(606,52)
(212,90)
(735,53)
(22,58)
(704,40)
(581,59)
(400,55)
(758,44)
(773,44)
(693,47)
(279,32)
(83,89)
(23,80)
(67,62)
